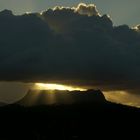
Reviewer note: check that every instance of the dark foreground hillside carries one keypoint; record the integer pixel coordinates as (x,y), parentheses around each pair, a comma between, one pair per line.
(81,120)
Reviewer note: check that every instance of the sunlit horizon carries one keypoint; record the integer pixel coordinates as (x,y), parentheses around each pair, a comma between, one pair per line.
(51,86)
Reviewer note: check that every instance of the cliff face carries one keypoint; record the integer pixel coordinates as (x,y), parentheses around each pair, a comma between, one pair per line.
(46,97)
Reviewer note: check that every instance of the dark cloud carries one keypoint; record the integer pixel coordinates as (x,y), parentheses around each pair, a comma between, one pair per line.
(70,45)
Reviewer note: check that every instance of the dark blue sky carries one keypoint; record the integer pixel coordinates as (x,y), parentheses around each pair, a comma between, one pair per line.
(121,11)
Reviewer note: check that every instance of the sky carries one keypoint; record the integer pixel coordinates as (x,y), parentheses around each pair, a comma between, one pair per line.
(121,11)
(77,46)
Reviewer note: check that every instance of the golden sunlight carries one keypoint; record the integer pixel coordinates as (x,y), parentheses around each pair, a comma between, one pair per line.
(123,97)
(43,86)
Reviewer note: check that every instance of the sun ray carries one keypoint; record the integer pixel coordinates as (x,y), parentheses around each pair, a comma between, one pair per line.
(43,86)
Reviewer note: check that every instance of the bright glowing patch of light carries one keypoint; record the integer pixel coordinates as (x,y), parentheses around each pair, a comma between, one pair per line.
(43,86)
(123,97)
(28,13)
(136,28)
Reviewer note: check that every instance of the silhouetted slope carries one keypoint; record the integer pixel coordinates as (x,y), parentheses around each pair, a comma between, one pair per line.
(88,117)
(63,104)
(2,104)
(56,97)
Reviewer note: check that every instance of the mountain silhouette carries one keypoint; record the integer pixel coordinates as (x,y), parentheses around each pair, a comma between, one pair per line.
(72,115)
(58,97)
(2,104)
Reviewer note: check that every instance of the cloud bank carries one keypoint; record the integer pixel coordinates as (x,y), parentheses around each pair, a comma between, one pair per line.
(69,45)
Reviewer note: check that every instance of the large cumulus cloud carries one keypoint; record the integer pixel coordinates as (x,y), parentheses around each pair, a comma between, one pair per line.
(70,45)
